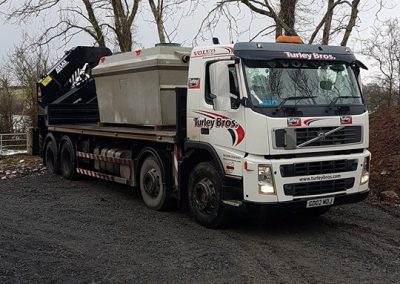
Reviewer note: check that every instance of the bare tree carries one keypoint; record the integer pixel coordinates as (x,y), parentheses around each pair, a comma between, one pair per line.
(384,48)
(325,22)
(283,15)
(164,9)
(27,64)
(158,13)
(375,95)
(351,23)
(124,15)
(100,19)
(286,19)
(6,105)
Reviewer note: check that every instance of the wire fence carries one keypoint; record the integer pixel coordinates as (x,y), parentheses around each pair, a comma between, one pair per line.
(13,143)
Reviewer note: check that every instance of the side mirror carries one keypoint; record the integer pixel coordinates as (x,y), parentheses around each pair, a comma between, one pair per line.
(222,103)
(359,64)
(220,85)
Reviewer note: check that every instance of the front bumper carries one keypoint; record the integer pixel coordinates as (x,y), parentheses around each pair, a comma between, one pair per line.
(250,178)
(301,203)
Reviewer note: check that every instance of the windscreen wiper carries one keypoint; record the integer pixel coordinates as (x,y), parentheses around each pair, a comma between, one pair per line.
(334,101)
(280,106)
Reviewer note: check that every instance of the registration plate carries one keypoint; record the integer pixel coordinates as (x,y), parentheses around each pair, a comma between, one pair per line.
(320,202)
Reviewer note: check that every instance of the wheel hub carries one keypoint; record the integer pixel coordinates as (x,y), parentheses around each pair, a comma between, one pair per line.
(204,194)
(151,182)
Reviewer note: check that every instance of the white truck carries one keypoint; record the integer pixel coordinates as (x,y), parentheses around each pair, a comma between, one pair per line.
(222,126)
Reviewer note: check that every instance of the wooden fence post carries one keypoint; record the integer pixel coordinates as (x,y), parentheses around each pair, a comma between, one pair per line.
(29,141)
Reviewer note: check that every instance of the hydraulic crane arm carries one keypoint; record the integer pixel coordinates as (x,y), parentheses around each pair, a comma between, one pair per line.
(69,81)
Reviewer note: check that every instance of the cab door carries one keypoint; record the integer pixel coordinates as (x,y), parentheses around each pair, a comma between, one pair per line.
(221,117)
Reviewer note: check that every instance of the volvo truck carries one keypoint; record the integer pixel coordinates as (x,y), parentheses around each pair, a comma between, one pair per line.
(216,127)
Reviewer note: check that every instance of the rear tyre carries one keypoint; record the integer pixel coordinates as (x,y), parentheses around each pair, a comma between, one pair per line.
(68,159)
(50,158)
(205,196)
(153,188)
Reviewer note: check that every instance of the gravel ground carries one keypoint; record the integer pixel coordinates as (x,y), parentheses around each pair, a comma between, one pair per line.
(52,230)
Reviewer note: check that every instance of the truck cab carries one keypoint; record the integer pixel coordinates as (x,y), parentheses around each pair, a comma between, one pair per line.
(288,121)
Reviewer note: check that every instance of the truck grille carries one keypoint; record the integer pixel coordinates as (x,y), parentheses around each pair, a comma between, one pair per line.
(319,187)
(316,168)
(346,135)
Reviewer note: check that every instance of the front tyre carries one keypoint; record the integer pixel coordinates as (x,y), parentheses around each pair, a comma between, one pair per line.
(205,195)
(153,188)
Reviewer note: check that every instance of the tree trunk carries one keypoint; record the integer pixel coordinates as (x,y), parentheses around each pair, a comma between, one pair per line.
(6,106)
(279,29)
(158,15)
(398,78)
(124,36)
(287,14)
(99,36)
(352,22)
(328,22)
(123,21)
(160,29)
(390,98)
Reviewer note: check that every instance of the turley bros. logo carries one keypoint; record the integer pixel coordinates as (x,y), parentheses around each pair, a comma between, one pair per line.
(309,56)
(212,120)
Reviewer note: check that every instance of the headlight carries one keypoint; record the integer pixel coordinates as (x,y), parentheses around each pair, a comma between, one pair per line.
(265,180)
(365,171)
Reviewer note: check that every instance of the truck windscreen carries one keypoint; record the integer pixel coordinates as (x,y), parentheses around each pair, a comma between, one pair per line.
(301,83)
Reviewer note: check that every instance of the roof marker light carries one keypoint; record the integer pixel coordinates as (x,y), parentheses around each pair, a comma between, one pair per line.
(289,39)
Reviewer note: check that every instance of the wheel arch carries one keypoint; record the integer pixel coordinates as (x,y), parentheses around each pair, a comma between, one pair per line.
(197,152)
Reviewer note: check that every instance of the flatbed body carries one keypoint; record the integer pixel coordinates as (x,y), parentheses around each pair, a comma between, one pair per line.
(166,135)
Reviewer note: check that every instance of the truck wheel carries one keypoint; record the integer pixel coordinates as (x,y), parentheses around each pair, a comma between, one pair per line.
(68,160)
(205,195)
(152,187)
(50,158)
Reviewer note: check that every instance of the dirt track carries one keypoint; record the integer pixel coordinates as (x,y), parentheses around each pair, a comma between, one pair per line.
(52,230)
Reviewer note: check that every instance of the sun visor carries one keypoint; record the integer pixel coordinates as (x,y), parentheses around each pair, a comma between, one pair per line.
(273,51)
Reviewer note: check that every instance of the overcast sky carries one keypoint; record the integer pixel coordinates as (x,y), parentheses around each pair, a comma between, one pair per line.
(11,34)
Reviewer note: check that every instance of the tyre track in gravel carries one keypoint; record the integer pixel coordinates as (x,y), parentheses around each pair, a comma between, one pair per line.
(91,231)
(344,250)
